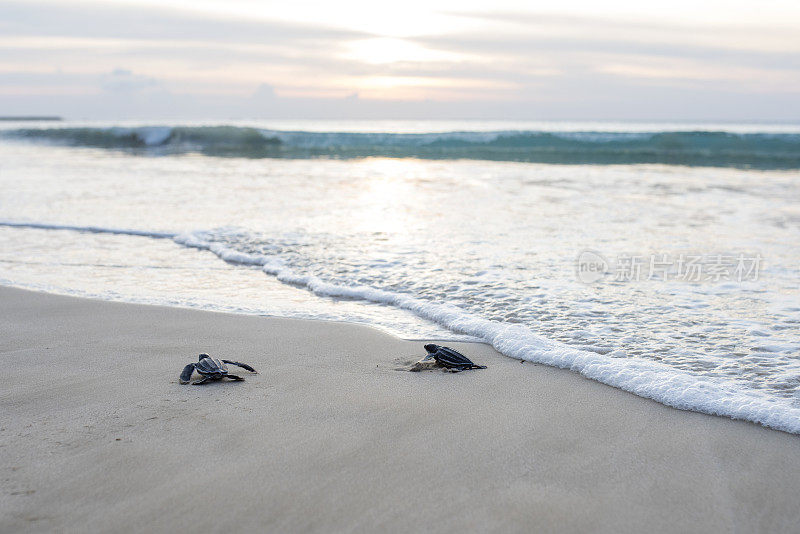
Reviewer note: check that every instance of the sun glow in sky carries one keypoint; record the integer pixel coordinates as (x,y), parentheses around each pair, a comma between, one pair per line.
(570,59)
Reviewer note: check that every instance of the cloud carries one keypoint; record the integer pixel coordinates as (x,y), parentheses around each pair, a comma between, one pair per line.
(126,81)
(181,49)
(118,21)
(540,36)
(264,92)
(114,60)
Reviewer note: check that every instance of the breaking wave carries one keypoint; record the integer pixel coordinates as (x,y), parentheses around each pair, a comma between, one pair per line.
(695,148)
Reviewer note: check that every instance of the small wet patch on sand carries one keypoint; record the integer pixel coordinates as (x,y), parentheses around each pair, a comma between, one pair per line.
(416,366)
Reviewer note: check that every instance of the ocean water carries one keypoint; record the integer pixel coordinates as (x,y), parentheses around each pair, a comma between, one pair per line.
(658,258)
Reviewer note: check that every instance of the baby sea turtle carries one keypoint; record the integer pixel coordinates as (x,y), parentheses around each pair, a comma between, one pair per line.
(211,369)
(447,357)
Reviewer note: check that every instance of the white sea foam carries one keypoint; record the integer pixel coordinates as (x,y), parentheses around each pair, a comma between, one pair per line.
(90,229)
(646,378)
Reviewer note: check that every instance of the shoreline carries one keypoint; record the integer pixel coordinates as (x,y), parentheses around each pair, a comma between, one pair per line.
(98,434)
(669,390)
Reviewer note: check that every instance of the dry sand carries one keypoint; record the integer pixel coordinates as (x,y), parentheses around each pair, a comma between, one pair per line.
(96,434)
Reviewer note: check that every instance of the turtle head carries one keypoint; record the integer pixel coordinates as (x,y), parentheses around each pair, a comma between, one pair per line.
(431,348)
(204,355)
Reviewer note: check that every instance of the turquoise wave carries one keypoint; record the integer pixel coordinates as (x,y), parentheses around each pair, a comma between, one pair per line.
(695,148)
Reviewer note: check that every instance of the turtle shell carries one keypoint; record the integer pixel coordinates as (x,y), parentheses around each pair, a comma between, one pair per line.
(450,358)
(211,367)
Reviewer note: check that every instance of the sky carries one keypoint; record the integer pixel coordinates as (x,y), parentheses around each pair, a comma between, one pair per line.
(434,59)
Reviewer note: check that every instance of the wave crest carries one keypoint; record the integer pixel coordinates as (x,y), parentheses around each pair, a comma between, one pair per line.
(697,148)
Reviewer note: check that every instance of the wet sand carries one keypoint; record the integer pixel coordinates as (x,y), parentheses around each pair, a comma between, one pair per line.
(96,434)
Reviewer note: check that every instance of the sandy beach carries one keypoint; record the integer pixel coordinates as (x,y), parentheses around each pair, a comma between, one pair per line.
(96,434)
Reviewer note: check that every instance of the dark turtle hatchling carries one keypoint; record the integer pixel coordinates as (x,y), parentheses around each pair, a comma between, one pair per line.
(449,358)
(211,369)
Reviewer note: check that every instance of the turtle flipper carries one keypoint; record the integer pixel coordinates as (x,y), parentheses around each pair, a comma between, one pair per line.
(242,365)
(235,377)
(186,374)
(203,381)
